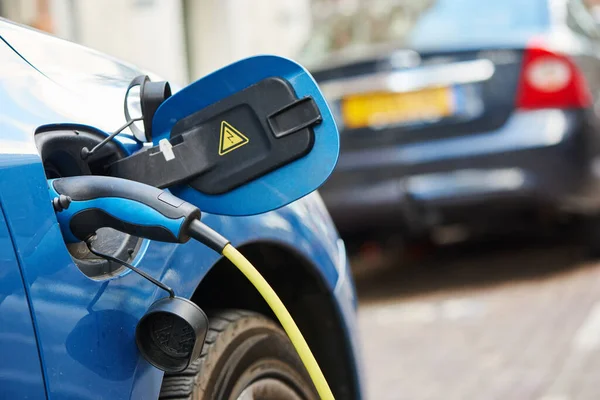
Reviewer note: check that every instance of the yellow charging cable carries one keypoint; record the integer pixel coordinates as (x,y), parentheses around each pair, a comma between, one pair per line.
(218,243)
(284,317)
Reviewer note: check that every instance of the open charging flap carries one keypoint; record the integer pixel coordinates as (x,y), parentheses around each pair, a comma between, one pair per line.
(246,139)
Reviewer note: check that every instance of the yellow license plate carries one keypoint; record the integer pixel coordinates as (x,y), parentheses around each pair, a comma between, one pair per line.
(381,109)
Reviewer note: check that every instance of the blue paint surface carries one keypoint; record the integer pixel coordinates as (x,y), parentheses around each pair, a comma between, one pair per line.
(20,368)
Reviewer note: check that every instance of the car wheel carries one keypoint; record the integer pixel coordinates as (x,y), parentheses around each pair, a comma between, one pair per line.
(246,356)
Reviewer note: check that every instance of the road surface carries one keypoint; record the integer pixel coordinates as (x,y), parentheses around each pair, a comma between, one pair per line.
(483,322)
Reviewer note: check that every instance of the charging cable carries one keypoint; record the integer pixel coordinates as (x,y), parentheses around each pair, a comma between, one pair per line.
(284,317)
(215,241)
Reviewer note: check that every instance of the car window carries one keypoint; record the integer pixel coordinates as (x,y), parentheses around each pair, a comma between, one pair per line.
(419,23)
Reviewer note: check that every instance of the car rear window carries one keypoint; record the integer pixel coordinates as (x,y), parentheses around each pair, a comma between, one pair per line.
(423,23)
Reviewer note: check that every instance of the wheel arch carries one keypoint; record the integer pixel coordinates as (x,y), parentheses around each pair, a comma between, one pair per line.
(304,292)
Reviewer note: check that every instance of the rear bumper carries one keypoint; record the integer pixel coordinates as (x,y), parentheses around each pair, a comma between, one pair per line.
(537,157)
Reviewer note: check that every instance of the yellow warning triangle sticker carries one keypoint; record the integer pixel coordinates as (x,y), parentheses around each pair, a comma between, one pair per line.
(231,138)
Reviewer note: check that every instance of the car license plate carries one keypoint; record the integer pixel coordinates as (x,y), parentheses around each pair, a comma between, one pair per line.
(381,109)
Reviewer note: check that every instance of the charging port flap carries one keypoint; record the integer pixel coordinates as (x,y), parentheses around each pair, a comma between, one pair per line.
(246,139)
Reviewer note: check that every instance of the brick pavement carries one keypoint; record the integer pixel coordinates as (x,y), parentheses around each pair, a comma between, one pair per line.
(502,325)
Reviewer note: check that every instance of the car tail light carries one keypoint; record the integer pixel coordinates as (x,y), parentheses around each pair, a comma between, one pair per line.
(551,80)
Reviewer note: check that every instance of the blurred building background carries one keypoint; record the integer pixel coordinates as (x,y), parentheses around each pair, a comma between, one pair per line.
(178,39)
(185,39)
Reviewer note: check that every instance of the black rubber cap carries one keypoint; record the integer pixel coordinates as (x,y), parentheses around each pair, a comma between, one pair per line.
(171,334)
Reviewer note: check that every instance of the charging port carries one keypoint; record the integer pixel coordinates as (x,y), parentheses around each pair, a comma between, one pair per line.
(60,150)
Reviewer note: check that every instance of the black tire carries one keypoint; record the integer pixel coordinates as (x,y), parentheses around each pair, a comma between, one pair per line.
(243,351)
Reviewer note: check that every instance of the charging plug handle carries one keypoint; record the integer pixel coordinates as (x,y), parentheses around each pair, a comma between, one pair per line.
(127,206)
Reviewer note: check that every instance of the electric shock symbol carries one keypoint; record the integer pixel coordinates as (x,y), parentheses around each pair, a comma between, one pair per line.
(230,139)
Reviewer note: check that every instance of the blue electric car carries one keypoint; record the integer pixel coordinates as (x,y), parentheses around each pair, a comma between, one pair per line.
(68,318)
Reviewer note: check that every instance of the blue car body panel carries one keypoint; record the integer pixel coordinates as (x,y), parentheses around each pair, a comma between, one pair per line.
(85,327)
(20,368)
